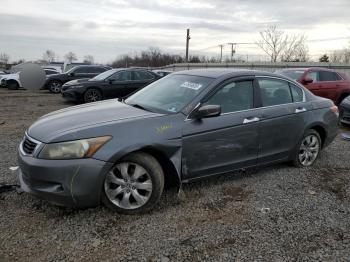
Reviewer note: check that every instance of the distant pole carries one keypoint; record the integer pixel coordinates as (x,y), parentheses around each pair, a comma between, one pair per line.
(221,46)
(233,50)
(188,37)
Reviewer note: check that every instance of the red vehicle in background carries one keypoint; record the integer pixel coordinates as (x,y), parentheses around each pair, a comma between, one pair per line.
(320,81)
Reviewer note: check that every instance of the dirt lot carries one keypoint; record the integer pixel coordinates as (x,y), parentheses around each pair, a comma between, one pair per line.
(276,213)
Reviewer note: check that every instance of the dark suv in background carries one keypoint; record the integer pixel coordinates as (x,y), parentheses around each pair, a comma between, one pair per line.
(320,81)
(114,83)
(55,82)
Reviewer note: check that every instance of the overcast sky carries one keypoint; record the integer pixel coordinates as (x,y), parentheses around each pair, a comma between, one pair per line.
(108,28)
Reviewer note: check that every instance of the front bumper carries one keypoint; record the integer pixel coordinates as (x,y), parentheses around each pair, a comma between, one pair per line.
(71,95)
(74,183)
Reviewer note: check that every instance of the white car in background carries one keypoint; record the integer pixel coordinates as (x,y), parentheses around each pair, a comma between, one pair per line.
(11,81)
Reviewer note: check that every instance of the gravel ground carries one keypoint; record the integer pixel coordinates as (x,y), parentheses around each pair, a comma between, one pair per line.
(275,213)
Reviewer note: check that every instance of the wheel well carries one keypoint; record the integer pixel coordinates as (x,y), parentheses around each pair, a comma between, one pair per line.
(56,80)
(171,177)
(12,81)
(342,96)
(322,132)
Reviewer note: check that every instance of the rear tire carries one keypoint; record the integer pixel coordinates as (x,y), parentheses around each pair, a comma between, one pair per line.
(55,86)
(134,185)
(92,95)
(12,85)
(309,149)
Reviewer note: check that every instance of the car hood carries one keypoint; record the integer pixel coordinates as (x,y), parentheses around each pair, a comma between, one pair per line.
(10,76)
(73,119)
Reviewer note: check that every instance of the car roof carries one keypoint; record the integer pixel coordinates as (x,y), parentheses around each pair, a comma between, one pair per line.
(308,68)
(218,73)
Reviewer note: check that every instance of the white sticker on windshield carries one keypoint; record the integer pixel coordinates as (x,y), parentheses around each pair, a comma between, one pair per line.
(194,86)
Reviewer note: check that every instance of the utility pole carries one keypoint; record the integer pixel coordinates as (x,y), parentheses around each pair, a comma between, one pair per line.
(233,50)
(188,37)
(221,46)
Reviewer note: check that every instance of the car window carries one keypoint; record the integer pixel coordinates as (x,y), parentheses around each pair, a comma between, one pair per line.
(50,72)
(274,92)
(81,70)
(297,93)
(293,74)
(328,76)
(142,75)
(235,96)
(96,70)
(121,76)
(313,75)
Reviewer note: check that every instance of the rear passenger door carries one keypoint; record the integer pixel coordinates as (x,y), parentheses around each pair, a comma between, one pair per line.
(284,113)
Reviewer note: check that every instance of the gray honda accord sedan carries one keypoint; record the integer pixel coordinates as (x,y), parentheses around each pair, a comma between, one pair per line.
(185,126)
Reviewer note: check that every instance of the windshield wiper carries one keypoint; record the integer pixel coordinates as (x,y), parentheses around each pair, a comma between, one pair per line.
(139,107)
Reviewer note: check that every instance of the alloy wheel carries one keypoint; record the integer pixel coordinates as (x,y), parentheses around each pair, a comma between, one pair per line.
(55,87)
(309,150)
(128,185)
(92,96)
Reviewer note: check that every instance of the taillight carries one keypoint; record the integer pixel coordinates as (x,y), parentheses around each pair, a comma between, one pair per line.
(335,110)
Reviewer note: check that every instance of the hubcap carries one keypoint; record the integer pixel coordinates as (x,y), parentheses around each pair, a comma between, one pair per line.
(56,87)
(92,96)
(128,185)
(309,150)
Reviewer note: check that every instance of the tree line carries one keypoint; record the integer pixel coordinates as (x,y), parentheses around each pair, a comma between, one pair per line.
(275,43)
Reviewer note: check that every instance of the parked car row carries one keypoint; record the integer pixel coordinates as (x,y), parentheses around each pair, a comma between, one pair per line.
(182,127)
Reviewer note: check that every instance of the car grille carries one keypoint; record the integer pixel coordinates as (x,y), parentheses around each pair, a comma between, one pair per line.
(28,146)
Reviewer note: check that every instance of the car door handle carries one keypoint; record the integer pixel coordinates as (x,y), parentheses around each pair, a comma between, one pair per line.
(300,109)
(251,120)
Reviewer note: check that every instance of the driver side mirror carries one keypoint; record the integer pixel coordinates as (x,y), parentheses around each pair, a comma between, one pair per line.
(307,80)
(72,74)
(207,111)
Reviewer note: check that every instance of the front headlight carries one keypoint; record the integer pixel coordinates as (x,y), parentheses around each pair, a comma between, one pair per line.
(83,148)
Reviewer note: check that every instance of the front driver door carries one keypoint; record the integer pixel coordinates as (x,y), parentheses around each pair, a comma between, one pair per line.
(226,142)
(118,84)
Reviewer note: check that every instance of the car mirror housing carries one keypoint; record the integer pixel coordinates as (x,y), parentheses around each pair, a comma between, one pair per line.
(307,80)
(207,111)
(72,74)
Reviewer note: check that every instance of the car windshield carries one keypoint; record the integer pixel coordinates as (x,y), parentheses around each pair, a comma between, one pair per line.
(169,94)
(293,74)
(103,75)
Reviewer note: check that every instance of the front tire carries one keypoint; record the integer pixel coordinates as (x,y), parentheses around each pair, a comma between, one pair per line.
(308,149)
(55,86)
(134,185)
(12,85)
(92,95)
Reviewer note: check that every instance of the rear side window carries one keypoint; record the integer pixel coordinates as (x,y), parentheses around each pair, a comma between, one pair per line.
(274,92)
(328,76)
(96,70)
(235,96)
(82,70)
(297,93)
(142,75)
(122,76)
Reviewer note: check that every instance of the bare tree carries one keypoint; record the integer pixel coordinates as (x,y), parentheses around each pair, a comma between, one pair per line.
(280,46)
(4,58)
(340,56)
(49,56)
(70,57)
(89,59)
